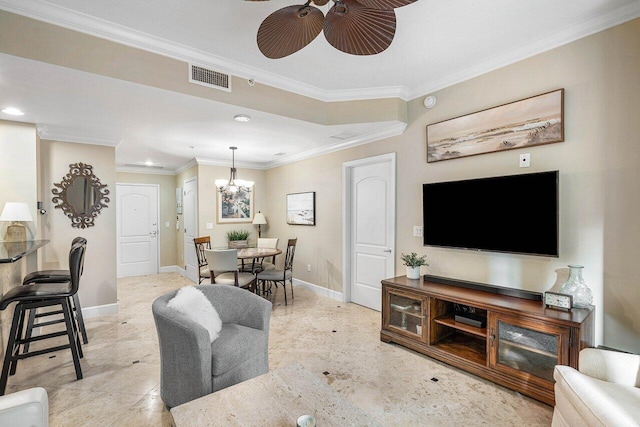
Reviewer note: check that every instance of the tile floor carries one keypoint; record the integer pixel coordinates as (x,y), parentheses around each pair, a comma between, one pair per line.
(122,374)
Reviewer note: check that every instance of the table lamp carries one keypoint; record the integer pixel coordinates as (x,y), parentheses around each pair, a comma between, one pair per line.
(14,211)
(259,220)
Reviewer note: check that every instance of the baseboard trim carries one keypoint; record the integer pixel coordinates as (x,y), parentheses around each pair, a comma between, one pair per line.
(338,296)
(100,310)
(170,269)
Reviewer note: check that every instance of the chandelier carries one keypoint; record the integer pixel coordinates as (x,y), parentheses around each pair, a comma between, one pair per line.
(357,27)
(233,185)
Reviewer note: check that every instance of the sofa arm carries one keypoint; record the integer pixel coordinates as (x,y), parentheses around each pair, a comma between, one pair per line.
(25,408)
(185,355)
(611,366)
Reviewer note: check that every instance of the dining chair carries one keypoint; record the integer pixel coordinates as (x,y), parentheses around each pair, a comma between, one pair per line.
(201,244)
(57,276)
(281,276)
(223,265)
(36,295)
(268,243)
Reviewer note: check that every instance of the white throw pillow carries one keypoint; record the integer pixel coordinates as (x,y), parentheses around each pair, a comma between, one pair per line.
(194,304)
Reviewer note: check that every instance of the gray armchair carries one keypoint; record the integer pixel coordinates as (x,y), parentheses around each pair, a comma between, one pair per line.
(191,365)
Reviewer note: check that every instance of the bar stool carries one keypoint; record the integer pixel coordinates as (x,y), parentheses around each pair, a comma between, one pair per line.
(36,295)
(56,276)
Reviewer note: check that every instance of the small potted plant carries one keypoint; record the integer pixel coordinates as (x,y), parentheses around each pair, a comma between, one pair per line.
(413,263)
(238,238)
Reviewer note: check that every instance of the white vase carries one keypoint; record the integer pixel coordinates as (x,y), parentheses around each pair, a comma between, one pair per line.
(413,272)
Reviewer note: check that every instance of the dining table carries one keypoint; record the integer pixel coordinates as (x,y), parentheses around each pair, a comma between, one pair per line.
(256,255)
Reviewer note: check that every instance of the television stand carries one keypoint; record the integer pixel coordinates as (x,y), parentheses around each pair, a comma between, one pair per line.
(518,348)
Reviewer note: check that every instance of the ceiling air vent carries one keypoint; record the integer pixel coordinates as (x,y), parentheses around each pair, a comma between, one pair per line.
(344,135)
(210,78)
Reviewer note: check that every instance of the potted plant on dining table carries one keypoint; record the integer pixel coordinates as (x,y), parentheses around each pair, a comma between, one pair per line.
(413,263)
(238,238)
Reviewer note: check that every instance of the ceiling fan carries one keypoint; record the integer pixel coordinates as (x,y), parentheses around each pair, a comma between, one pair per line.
(357,27)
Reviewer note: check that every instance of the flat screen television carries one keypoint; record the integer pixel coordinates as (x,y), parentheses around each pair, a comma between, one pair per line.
(514,214)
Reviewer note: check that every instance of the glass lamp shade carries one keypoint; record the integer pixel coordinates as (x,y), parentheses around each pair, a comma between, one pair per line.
(259,219)
(233,185)
(14,211)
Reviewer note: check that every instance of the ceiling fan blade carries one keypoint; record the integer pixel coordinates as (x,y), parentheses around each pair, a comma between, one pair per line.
(385,4)
(358,30)
(288,30)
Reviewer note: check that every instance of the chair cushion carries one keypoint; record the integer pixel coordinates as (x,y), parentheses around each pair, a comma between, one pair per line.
(235,345)
(228,279)
(36,292)
(268,266)
(275,275)
(192,303)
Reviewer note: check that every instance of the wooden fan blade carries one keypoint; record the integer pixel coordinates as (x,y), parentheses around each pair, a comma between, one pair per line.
(358,30)
(288,30)
(385,4)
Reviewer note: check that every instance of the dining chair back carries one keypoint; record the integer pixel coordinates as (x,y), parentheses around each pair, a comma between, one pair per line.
(291,250)
(223,265)
(268,243)
(201,244)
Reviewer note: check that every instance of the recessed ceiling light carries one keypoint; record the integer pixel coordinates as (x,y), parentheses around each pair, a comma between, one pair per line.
(242,117)
(13,111)
(148,163)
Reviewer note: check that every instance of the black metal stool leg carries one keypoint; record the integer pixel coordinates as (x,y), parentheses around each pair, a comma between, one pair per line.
(17,342)
(8,355)
(29,332)
(68,319)
(78,310)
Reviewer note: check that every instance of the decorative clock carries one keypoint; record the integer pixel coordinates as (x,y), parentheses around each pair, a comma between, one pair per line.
(556,300)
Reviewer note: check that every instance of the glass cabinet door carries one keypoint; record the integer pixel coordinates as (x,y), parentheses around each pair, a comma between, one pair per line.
(406,313)
(526,348)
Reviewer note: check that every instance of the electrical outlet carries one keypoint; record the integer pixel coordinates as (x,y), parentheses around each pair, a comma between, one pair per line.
(167,224)
(308,267)
(525,160)
(417,231)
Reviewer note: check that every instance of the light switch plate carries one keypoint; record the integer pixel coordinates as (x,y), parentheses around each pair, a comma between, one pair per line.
(209,226)
(417,231)
(167,224)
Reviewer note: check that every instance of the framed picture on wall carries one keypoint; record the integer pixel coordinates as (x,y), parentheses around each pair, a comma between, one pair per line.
(532,121)
(235,207)
(301,208)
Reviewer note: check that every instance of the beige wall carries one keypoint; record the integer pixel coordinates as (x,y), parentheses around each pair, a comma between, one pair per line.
(599,175)
(98,285)
(179,182)
(167,194)
(18,173)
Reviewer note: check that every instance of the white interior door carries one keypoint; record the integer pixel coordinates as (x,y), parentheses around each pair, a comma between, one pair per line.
(137,229)
(190,218)
(369,228)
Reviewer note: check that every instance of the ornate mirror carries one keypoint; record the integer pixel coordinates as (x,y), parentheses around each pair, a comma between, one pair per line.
(80,195)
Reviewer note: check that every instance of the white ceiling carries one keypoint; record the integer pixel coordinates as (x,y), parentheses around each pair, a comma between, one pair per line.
(437,43)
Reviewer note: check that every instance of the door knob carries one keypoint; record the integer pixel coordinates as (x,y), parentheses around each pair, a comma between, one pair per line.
(387,250)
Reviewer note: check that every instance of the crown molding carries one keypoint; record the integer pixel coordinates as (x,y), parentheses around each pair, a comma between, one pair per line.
(77,21)
(560,38)
(142,170)
(65,135)
(191,163)
(394,129)
(227,164)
